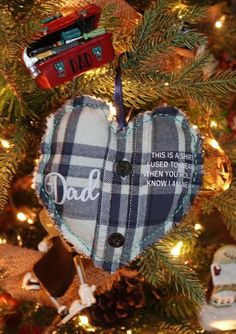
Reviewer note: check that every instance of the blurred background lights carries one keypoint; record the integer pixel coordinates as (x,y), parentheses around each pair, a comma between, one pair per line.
(219,23)
(5,143)
(214,144)
(213,124)
(21,216)
(198,227)
(19,239)
(30,221)
(83,320)
(3,241)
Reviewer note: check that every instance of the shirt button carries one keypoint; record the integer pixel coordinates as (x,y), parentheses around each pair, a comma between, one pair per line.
(116,240)
(124,168)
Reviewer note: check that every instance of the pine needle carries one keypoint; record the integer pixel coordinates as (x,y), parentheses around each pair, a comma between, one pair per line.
(9,161)
(158,265)
(225,203)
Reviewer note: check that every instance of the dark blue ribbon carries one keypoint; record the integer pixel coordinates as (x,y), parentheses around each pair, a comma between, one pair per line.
(118,97)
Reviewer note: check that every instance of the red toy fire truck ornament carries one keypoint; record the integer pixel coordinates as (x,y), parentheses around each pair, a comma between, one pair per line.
(69,46)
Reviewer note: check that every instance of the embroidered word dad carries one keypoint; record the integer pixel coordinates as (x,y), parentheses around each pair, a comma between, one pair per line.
(53,181)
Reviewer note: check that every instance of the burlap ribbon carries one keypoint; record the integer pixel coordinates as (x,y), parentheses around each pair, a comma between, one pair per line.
(16,261)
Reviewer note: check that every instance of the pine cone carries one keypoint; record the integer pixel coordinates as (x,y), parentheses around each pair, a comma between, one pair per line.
(120,303)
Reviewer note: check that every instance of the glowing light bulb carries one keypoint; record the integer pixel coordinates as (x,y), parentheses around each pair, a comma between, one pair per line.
(180,6)
(198,227)
(166,84)
(129,331)
(30,221)
(37,306)
(214,124)
(218,24)
(214,144)
(177,249)
(226,186)
(83,320)
(19,239)
(5,143)
(21,216)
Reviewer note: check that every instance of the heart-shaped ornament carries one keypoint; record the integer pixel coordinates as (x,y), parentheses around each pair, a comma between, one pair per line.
(113,192)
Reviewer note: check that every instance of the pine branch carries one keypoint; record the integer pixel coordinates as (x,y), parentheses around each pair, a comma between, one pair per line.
(192,13)
(146,34)
(162,27)
(219,83)
(177,307)
(121,34)
(30,15)
(158,265)
(225,203)
(229,147)
(182,328)
(222,82)
(165,50)
(108,19)
(136,94)
(147,26)
(9,161)
(183,232)
(7,25)
(189,38)
(205,91)
(140,88)
(193,67)
(22,99)
(12,103)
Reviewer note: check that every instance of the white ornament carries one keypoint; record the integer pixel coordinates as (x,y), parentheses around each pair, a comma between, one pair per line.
(223,272)
(213,318)
(86,294)
(221,313)
(74,309)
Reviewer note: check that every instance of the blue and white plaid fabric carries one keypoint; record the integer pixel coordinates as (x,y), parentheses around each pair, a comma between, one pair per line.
(105,214)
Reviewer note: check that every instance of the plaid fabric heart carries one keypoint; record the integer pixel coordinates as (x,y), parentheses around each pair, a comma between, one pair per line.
(114,192)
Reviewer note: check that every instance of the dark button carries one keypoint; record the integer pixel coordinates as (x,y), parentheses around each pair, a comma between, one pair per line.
(124,168)
(116,240)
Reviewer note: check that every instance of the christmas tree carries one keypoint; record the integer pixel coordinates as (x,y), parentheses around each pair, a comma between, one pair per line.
(166,53)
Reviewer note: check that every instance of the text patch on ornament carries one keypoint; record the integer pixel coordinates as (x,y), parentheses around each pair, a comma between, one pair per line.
(55,181)
(169,169)
(113,193)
